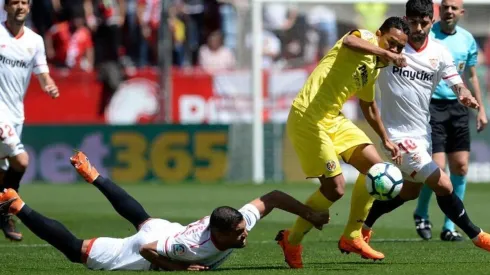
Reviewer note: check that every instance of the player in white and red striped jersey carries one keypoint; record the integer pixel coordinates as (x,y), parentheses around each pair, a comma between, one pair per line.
(21,54)
(405,98)
(158,244)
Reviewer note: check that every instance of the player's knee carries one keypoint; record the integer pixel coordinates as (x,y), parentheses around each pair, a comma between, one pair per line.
(333,188)
(459,168)
(440,183)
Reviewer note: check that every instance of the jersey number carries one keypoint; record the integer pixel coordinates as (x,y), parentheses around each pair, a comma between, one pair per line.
(6,131)
(407,145)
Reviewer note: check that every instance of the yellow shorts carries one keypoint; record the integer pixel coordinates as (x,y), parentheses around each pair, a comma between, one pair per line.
(319,145)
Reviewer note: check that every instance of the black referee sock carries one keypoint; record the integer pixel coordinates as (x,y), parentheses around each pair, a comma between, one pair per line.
(454,209)
(123,203)
(52,232)
(380,208)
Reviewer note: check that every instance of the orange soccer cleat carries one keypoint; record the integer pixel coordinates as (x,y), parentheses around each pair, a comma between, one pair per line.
(359,246)
(10,202)
(84,168)
(292,253)
(483,241)
(366,234)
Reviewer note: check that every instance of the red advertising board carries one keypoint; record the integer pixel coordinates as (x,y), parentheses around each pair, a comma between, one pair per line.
(78,101)
(80,98)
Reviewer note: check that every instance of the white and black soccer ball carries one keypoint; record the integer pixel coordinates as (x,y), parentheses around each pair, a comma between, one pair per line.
(384,181)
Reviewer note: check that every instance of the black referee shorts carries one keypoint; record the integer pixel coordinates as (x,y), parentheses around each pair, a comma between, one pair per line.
(450,126)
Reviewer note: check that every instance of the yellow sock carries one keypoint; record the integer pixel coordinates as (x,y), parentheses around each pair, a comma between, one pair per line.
(360,204)
(316,201)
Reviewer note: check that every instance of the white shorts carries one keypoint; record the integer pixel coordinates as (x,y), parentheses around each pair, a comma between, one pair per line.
(10,144)
(417,164)
(124,254)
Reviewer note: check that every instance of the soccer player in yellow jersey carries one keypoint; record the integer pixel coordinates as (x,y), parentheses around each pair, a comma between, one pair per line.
(320,133)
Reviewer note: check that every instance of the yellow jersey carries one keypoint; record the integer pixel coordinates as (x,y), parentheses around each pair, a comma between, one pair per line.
(340,74)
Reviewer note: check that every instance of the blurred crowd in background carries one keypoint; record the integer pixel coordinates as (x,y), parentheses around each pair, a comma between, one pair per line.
(212,35)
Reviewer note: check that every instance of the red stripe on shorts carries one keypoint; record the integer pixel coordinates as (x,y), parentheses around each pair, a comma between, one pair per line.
(87,251)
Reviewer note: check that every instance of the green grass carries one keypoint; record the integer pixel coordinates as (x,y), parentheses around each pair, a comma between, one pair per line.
(86,212)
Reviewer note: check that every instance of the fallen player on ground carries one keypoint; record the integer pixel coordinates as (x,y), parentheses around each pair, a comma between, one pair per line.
(159,244)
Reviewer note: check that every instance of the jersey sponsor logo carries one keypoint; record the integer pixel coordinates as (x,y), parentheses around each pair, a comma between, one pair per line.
(413,75)
(363,73)
(178,249)
(14,63)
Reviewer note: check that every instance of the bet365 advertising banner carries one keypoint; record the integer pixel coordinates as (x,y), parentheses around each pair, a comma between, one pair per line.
(166,153)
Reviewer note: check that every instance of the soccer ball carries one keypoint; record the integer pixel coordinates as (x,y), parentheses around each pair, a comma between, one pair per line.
(384,181)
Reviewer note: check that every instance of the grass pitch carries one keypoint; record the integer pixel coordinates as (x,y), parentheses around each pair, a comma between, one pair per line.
(87,214)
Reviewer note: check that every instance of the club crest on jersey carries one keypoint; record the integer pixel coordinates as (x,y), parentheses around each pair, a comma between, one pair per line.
(178,249)
(433,62)
(331,165)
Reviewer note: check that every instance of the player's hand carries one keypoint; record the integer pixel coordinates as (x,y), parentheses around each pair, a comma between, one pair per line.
(52,90)
(396,155)
(468,100)
(319,218)
(481,120)
(196,267)
(397,59)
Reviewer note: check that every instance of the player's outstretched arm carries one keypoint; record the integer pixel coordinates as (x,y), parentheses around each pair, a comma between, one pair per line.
(277,199)
(371,113)
(159,262)
(354,42)
(360,41)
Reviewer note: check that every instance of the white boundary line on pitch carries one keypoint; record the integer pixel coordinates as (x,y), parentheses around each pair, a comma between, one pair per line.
(261,242)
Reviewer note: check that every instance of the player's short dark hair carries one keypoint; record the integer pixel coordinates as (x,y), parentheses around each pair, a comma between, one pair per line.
(397,23)
(225,218)
(419,8)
